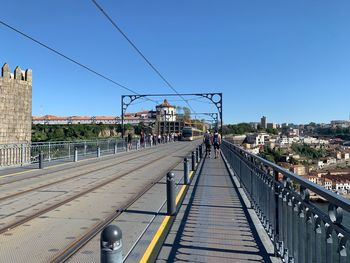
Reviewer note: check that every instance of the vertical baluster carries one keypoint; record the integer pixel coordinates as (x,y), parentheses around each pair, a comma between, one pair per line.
(318,246)
(280,221)
(273,214)
(290,227)
(260,198)
(255,188)
(302,235)
(294,250)
(343,257)
(267,200)
(251,176)
(309,247)
(329,243)
(285,223)
(254,182)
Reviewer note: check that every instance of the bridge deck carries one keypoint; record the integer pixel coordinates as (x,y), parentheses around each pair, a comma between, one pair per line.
(213,224)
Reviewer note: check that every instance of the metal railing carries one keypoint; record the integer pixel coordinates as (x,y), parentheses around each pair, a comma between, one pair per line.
(299,228)
(23,154)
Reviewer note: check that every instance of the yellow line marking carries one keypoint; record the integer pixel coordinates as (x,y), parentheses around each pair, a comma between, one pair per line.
(178,197)
(155,239)
(146,256)
(32,170)
(48,167)
(7,175)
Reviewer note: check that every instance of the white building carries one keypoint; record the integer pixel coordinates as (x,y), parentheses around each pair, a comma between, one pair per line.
(166,112)
(257,139)
(341,186)
(129,118)
(327,184)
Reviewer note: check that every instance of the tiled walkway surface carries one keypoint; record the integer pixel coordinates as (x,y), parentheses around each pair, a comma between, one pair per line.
(212,224)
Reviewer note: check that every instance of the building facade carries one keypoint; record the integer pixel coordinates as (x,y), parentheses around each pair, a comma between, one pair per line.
(263,122)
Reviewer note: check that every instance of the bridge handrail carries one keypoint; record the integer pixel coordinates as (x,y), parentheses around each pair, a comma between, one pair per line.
(321,191)
(300,229)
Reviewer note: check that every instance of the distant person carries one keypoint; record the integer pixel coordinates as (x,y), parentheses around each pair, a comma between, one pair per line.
(151,139)
(206,141)
(154,137)
(129,140)
(216,141)
(159,138)
(142,140)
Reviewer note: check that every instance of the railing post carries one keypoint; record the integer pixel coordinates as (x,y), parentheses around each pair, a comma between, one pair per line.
(75,154)
(98,151)
(69,150)
(170,192)
(193,162)
(41,160)
(111,245)
(276,230)
(197,155)
(186,177)
(115,147)
(200,151)
(23,154)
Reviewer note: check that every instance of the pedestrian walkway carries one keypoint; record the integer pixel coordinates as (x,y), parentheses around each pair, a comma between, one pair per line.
(213,224)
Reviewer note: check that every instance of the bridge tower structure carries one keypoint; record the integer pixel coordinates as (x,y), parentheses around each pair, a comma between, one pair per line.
(15,105)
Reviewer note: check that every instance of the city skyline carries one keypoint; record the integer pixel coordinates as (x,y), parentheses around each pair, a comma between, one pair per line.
(286,61)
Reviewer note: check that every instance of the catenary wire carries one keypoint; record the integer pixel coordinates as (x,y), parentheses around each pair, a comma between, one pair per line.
(140,53)
(71,60)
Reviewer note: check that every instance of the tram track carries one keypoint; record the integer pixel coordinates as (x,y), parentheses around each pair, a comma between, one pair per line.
(37,214)
(87,163)
(74,247)
(69,178)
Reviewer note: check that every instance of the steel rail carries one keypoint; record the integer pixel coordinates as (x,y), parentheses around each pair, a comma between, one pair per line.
(67,179)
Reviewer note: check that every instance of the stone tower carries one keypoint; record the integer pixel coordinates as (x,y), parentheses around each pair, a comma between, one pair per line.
(15,105)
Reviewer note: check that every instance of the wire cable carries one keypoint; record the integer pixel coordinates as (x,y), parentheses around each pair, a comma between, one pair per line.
(70,59)
(139,52)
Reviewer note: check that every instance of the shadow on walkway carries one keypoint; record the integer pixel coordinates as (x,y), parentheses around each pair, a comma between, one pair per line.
(213,224)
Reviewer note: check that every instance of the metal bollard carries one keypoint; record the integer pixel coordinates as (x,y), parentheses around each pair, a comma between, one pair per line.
(115,148)
(197,155)
(75,154)
(98,151)
(111,245)
(186,177)
(193,162)
(41,160)
(170,194)
(200,151)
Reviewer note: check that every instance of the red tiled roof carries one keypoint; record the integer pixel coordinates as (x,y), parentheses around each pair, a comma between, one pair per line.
(165,104)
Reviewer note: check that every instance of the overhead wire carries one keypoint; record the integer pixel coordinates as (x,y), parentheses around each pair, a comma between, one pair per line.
(139,52)
(71,59)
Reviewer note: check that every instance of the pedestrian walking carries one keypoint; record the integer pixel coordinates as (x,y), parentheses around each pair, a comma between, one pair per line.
(216,141)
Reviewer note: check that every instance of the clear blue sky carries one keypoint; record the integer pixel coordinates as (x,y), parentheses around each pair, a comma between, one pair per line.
(288,60)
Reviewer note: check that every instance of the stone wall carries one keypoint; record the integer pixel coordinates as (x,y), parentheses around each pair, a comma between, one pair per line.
(15,105)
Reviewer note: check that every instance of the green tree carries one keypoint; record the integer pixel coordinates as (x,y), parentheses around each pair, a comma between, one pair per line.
(187,113)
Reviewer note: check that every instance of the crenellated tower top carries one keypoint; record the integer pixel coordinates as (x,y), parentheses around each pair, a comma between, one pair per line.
(18,74)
